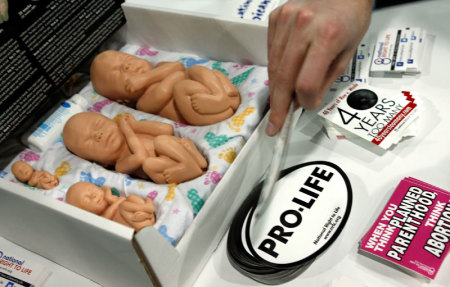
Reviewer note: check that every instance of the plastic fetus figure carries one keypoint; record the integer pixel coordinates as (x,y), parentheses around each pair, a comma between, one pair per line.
(196,95)
(37,178)
(131,211)
(141,148)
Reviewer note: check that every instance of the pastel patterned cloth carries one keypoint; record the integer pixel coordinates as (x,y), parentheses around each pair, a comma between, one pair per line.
(176,204)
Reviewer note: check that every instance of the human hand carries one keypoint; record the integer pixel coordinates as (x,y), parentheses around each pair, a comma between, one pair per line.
(310,43)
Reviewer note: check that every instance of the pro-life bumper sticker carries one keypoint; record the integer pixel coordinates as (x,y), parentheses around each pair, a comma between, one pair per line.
(309,207)
(413,230)
(380,116)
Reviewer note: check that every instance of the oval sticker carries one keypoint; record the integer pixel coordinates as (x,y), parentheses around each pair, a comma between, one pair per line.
(308,208)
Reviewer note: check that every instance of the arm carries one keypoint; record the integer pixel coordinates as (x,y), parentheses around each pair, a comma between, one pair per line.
(140,82)
(109,197)
(152,128)
(156,98)
(113,202)
(310,43)
(113,208)
(129,163)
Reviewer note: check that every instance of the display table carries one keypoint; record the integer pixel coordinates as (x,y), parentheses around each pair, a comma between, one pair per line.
(374,176)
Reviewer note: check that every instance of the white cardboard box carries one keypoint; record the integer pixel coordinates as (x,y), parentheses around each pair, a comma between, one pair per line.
(206,35)
(111,254)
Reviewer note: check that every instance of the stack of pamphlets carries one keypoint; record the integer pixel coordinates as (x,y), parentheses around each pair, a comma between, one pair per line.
(413,230)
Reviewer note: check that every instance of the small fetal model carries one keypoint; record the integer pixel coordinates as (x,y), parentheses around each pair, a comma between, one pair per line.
(146,149)
(195,95)
(131,211)
(41,179)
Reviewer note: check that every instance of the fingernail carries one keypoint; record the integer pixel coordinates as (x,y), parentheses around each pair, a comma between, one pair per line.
(271,130)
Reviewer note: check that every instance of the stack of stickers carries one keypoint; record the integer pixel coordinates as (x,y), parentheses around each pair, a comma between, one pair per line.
(398,50)
(413,230)
(357,69)
(306,212)
(379,116)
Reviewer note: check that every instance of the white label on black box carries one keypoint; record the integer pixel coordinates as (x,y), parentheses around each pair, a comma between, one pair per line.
(306,212)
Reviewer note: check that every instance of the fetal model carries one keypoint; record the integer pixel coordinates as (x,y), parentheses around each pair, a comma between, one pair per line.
(131,211)
(196,95)
(41,179)
(146,149)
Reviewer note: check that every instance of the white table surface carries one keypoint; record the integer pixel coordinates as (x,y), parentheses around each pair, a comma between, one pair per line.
(373,176)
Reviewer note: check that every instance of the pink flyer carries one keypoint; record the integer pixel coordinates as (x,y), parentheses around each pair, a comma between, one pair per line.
(413,230)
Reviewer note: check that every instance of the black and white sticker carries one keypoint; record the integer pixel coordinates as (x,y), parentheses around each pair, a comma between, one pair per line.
(309,206)
(378,115)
